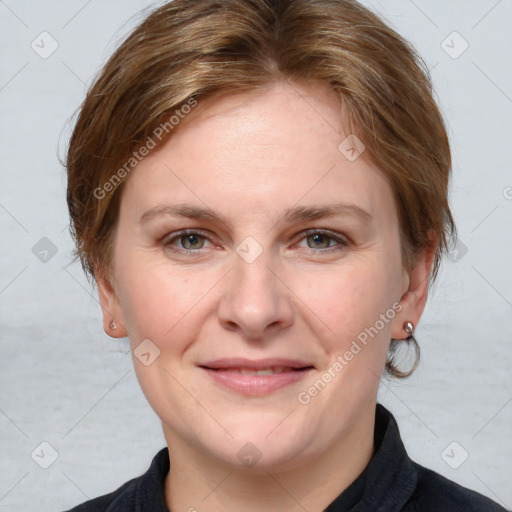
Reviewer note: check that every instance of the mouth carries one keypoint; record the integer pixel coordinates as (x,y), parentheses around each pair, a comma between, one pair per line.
(256,377)
(274,370)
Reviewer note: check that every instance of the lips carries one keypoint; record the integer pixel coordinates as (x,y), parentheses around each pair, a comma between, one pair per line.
(256,377)
(273,365)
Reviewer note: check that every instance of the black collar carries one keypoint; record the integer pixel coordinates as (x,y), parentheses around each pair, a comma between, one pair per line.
(385,485)
(390,478)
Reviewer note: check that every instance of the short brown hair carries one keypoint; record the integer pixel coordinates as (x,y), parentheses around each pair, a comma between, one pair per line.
(191,49)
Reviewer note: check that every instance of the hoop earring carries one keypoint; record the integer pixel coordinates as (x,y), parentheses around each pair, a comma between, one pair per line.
(391,364)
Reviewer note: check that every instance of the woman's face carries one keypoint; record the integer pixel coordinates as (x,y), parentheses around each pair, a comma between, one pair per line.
(264,279)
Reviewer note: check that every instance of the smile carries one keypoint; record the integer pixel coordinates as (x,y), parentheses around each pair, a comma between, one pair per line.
(265,371)
(256,378)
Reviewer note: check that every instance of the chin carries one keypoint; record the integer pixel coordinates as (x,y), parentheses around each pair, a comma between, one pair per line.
(259,458)
(258,448)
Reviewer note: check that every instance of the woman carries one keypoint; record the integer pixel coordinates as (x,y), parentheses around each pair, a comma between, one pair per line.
(259,190)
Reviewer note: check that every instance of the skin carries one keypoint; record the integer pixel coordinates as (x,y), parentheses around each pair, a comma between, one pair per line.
(250,157)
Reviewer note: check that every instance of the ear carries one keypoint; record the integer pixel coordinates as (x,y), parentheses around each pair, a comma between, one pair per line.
(414,291)
(110,308)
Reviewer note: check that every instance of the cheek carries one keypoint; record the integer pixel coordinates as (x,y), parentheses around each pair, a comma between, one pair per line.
(350,301)
(164,306)
(352,297)
(154,299)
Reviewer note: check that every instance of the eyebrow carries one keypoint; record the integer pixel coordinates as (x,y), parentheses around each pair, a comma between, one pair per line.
(299,213)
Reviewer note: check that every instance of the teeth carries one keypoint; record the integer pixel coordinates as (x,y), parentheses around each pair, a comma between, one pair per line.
(266,371)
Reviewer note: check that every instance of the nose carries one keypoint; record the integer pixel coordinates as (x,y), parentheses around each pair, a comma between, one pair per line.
(255,300)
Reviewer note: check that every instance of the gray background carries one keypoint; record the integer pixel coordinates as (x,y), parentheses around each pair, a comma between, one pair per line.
(63,381)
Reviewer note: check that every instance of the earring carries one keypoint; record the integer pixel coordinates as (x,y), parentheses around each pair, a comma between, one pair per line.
(113,325)
(409,328)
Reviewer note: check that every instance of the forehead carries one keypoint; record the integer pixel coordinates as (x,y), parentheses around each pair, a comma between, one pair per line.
(258,151)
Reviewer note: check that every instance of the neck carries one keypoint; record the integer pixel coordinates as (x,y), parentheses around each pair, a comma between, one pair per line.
(202,483)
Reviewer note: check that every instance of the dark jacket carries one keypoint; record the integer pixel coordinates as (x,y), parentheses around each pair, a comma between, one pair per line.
(391,482)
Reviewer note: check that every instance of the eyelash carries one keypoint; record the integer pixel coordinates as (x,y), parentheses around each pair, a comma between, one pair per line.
(341,242)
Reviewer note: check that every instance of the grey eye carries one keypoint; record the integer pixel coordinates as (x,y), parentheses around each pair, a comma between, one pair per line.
(192,241)
(320,240)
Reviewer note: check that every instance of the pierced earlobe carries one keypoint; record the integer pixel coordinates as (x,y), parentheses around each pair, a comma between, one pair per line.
(113,325)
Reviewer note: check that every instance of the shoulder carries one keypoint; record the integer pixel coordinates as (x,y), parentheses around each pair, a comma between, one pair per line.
(417,488)
(436,492)
(143,492)
(115,501)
